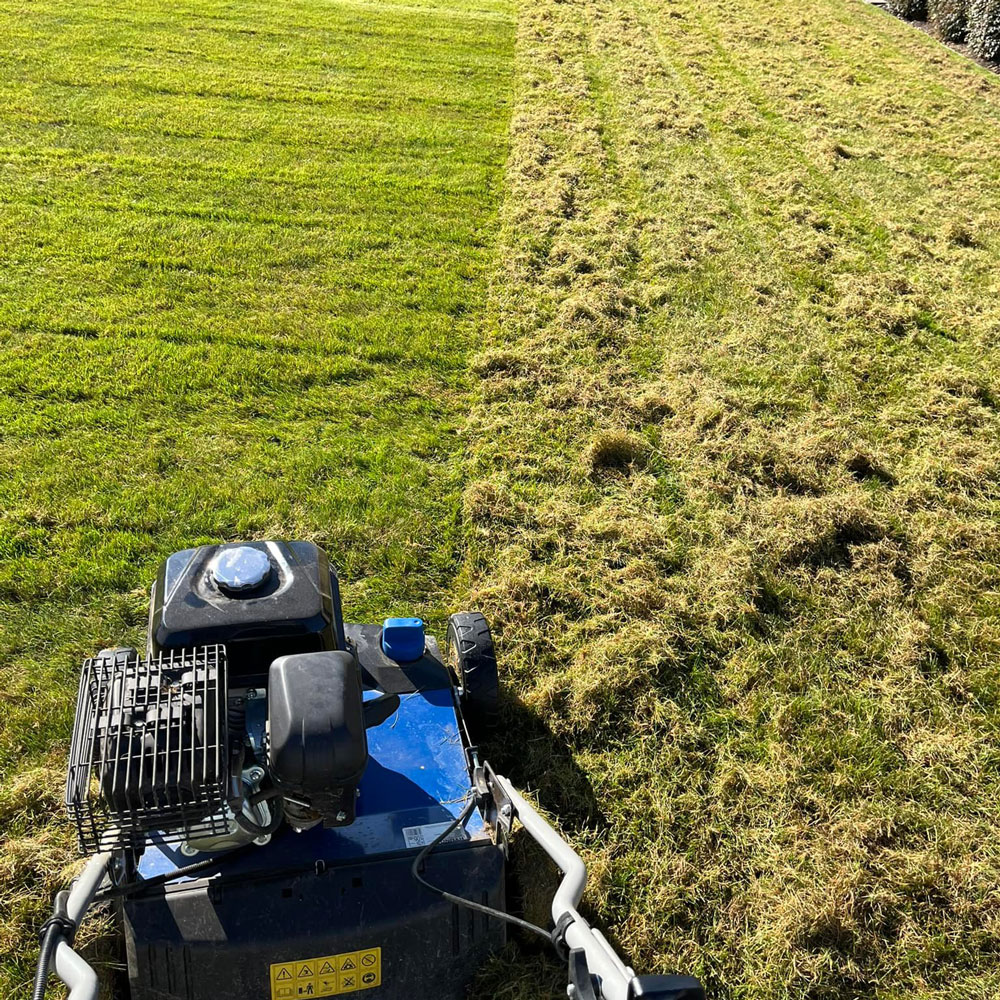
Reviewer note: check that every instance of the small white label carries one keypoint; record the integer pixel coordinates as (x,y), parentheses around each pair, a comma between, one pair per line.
(421,836)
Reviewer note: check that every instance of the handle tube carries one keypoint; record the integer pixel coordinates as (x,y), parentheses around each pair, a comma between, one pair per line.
(76,973)
(613,975)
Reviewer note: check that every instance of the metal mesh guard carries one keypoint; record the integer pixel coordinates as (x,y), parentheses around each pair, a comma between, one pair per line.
(149,748)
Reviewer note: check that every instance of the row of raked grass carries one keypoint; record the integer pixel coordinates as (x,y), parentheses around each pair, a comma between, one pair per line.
(736,490)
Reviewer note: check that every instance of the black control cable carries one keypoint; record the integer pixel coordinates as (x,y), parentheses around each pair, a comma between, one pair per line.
(141,886)
(144,885)
(271,795)
(57,928)
(469,904)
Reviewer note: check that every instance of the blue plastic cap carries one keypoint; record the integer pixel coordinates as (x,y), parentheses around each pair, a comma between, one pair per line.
(403,639)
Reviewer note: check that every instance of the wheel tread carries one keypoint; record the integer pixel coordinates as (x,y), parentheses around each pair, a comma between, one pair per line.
(470,635)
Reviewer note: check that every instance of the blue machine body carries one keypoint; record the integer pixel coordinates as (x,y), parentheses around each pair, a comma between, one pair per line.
(271,911)
(417,776)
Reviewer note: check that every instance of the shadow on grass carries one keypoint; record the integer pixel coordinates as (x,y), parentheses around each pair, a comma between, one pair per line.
(534,757)
(527,751)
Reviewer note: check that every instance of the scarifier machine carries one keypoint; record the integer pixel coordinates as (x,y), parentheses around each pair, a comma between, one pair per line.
(282,806)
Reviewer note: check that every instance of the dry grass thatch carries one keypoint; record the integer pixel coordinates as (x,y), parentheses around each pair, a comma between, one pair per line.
(735,486)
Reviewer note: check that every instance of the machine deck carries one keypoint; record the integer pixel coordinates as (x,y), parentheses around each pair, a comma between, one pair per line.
(337,894)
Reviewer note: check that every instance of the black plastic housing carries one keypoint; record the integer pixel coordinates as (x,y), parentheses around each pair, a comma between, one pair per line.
(296,611)
(214,939)
(665,988)
(318,747)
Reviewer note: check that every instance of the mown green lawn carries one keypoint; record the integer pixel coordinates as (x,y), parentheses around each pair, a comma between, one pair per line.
(729,484)
(243,262)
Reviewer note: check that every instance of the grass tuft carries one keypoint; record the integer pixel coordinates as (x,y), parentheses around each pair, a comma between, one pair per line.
(616,450)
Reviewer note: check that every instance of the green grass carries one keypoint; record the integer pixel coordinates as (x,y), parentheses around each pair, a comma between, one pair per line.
(723,470)
(244,260)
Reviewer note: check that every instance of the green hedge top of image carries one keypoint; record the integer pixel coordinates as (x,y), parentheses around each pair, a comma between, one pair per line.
(949,18)
(984,28)
(910,10)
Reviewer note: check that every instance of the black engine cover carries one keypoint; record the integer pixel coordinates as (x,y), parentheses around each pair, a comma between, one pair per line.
(318,747)
(296,610)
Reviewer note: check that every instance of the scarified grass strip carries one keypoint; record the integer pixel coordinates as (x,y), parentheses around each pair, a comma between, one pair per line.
(735,488)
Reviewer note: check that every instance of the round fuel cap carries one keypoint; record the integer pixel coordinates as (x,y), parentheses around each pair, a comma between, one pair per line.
(240,569)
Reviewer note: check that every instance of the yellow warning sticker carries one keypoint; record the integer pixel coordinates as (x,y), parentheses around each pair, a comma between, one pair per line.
(327,975)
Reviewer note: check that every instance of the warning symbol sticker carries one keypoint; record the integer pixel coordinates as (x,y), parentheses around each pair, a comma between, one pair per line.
(327,975)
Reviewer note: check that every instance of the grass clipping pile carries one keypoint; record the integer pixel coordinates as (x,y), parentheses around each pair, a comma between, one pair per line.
(735,489)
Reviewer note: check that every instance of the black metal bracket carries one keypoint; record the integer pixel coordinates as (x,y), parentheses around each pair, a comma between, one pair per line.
(559,935)
(581,982)
(665,988)
(497,809)
(502,805)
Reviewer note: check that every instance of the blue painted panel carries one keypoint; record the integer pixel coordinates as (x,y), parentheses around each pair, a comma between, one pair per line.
(416,775)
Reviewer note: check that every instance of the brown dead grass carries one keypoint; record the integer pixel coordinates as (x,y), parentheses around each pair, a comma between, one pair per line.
(736,483)
(37,859)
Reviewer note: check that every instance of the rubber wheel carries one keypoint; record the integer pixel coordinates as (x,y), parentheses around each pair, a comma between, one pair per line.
(473,661)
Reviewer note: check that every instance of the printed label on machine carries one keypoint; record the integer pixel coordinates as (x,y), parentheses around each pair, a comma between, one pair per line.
(327,975)
(421,836)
